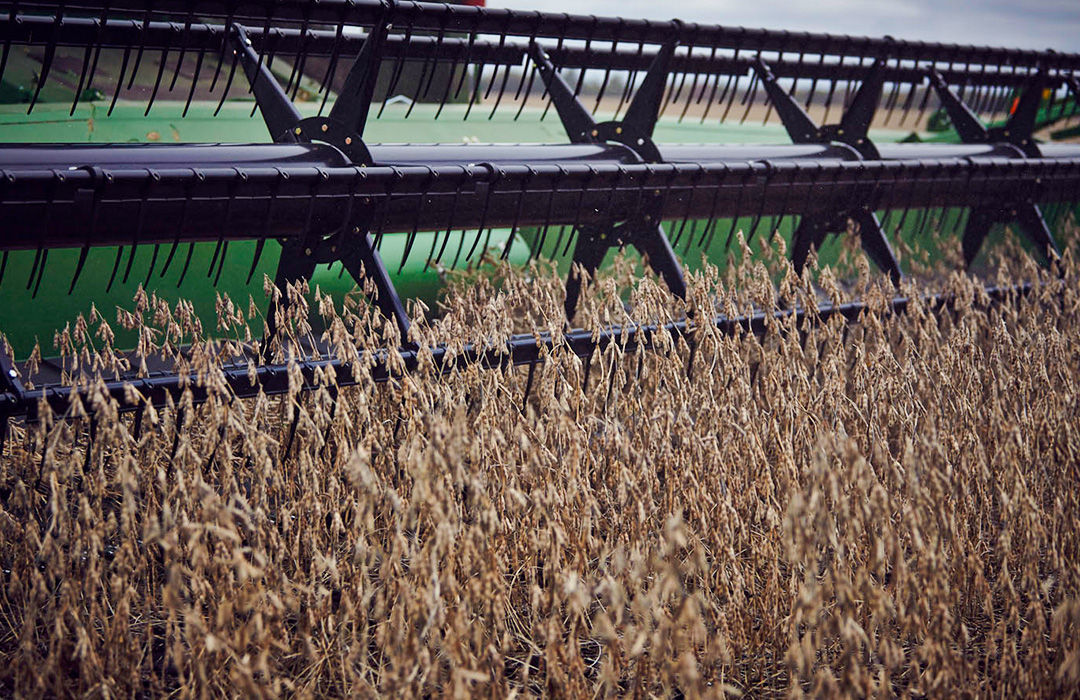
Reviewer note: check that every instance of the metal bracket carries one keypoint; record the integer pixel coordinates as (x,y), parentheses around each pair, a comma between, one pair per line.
(853,130)
(1020,127)
(634,131)
(854,125)
(353,245)
(967,124)
(1017,131)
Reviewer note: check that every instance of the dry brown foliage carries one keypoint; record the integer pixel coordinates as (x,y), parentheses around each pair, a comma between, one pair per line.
(890,508)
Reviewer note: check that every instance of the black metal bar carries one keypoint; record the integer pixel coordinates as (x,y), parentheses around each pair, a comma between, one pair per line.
(275,379)
(499,21)
(313,195)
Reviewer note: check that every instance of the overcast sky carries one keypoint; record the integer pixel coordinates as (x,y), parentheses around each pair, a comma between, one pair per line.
(1037,24)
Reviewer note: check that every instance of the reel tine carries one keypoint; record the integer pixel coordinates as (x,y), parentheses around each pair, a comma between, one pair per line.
(225,47)
(115,269)
(157,79)
(731,98)
(179,229)
(814,82)
(48,57)
(710,228)
(750,96)
(528,386)
(182,53)
(925,103)
(549,217)
(737,211)
(140,219)
(141,49)
(449,84)
(416,222)
(200,57)
(331,68)
(187,264)
(90,56)
(606,78)
(399,66)
(439,41)
(120,81)
(628,87)
(6,50)
(153,264)
(828,99)
(228,82)
(532,70)
(502,91)
(517,213)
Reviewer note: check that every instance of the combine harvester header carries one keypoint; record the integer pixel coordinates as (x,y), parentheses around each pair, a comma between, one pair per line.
(322,192)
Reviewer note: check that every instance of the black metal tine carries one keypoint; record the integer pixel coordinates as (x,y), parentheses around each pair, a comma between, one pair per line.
(222,243)
(750,97)
(269,50)
(440,39)
(674,95)
(179,229)
(628,88)
(532,70)
(761,207)
(3,265)
(454,63)
(737,210)
(731,98)
(716,77)
(828,99)
(41,253)
(909,100)
(528,386)
(558,47)
(588,49)
(157,79)
(607,75)
(704,86)
(416,222)
(115,269)
(331,68)
(502,91)
(483,211)
(140,221)
(91,228)
(538,17)
(141,49)
(400,65)
(194,80)
(713,223)
(48,57)
(689,203)
(228,82)
(296,75)
(431,257)
(225,48)
(890,102)
(6,51)
(89,59)
(542,238)
(814,82)
(120,80)
(770,104)
(187,264)
(182,54)
(923,104)
(575,229)
(517,213)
